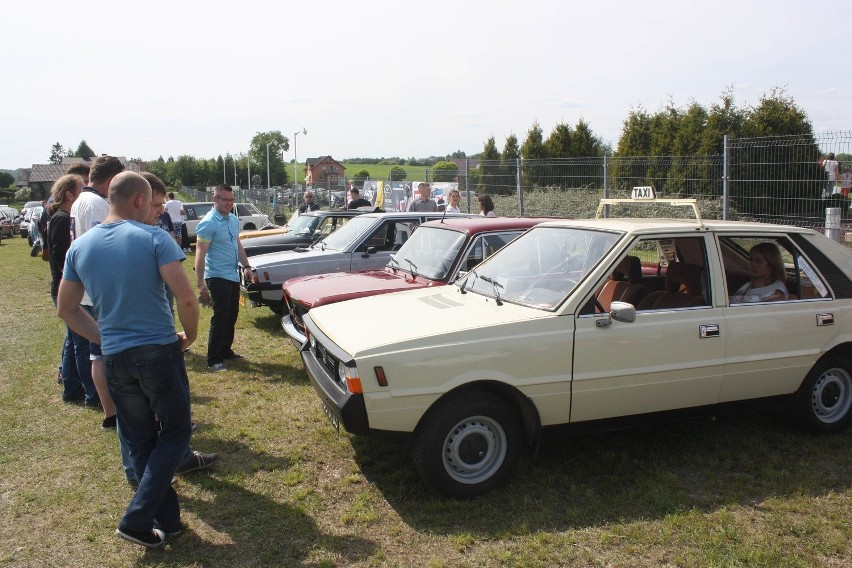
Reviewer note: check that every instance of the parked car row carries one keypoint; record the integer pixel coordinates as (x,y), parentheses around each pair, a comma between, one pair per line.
(249,216)
(575,325)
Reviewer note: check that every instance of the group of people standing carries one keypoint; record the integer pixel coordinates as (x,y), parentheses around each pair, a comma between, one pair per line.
(115,274)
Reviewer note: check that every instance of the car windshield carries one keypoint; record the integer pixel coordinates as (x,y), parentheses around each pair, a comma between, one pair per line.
(303,225)
(541,267)
(429,252)
(343,237)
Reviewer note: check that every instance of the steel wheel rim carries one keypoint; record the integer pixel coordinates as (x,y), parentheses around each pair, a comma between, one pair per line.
(474,449)
(831,396)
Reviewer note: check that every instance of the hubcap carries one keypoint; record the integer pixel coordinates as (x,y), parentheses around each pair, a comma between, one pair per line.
(831,397)
(474,450)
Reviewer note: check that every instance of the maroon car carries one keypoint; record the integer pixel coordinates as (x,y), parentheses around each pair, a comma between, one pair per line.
(437,253)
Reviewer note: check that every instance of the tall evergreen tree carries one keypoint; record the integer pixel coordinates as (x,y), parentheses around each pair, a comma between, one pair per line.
(489,167)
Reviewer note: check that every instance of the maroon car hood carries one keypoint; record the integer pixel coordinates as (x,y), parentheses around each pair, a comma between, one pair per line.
(313,291)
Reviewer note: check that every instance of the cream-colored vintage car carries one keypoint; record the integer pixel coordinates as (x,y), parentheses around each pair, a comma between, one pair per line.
(591,324)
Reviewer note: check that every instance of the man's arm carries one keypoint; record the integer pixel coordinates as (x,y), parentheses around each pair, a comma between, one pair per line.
(244,261)
(175,278)
(68,308)
(201,247)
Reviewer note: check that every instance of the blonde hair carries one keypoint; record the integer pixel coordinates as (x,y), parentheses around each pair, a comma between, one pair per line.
(69,183)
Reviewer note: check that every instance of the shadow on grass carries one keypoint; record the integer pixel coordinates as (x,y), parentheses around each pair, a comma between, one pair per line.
(624,476)
(251,528)
(264,370)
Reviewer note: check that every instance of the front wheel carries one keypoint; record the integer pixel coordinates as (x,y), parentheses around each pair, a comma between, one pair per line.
(468,445)
(824,400)
(249,227)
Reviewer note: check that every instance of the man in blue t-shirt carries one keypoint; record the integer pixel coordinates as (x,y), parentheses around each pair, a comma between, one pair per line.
(217,251)
(125,266)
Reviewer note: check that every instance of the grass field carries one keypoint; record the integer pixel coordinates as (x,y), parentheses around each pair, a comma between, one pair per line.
(382,171)
(742,490)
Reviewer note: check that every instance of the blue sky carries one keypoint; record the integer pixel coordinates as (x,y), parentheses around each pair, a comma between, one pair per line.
(376,78)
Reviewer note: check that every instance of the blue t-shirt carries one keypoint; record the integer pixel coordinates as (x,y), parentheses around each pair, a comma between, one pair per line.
(119,265)
(223,233)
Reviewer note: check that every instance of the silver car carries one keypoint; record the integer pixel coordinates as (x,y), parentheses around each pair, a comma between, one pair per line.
(363,243)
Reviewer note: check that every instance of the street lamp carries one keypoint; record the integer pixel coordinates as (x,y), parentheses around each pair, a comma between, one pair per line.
(295,155)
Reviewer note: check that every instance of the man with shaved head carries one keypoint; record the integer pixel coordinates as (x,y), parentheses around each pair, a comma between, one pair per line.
(125,266)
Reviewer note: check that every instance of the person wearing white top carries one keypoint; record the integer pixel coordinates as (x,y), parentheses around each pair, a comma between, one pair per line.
(767,276)
(453,206)
(175,210)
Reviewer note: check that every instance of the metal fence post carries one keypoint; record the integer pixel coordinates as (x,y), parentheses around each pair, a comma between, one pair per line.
(606,184)
(725,178)
(467,182)
(520,190)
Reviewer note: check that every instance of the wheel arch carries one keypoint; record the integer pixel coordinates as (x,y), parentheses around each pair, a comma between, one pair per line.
(521,404)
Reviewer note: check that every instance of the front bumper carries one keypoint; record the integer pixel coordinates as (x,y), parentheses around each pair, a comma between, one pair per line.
(342,406)
(294,333)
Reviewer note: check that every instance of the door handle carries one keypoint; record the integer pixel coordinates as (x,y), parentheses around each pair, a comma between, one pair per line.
(708,330)
(825,319)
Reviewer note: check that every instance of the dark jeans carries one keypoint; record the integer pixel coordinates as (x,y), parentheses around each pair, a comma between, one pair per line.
(225,295)
(147,384)
(77,369)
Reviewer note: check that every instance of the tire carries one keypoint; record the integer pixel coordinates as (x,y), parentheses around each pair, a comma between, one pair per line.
(249,227)
(824,401)
(468,445)
(277,307)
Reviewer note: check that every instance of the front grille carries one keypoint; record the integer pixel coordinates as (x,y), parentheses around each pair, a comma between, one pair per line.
(327,360)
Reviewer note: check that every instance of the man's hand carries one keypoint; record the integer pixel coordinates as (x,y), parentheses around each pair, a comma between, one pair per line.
(184,342)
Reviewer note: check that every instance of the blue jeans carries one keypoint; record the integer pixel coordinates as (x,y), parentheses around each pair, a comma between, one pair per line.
(77,369)
(149,383)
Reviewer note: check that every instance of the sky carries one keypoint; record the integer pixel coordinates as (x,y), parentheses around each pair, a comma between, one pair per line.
(390,78)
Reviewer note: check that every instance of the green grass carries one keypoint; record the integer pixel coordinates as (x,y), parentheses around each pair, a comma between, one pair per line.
(743,490)
(382,171)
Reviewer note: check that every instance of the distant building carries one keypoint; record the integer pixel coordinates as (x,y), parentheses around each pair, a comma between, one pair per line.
(324,171)
(40,177)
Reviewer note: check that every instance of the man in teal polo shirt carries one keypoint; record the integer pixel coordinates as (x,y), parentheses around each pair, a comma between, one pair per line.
(216,253)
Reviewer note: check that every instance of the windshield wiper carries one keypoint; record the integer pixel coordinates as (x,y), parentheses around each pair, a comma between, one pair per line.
(393,262)
(495,285)
(413,267)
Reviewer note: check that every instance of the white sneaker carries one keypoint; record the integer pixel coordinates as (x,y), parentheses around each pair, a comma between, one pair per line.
(217,368)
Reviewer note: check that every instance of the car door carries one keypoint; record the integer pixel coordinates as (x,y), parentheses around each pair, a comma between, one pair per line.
(771,346)
(670,357)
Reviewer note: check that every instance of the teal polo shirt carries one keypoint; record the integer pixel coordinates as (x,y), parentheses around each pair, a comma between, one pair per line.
(223,233)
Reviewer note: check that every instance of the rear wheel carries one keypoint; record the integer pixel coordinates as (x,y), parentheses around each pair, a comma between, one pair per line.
(824,401)
(249,227)
(468,445)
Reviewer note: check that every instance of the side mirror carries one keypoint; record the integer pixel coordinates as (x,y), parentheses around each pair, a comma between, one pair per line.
(623,312)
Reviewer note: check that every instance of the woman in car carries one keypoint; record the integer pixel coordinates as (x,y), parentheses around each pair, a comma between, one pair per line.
(767,276)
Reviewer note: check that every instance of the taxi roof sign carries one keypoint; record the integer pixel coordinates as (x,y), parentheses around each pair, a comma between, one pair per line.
(643,192)
(647,194)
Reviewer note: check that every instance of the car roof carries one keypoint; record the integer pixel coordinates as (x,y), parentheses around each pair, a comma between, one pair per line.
(479,224)
(655,225)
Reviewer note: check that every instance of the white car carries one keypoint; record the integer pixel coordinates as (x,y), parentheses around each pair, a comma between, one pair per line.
(249,216)
(589,324)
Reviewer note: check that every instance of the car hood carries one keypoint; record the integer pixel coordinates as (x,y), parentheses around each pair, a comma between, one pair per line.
(428,317)
(290,256)
(315,291)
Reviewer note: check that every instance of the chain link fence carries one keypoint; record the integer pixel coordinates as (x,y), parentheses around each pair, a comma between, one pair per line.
(777,179)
